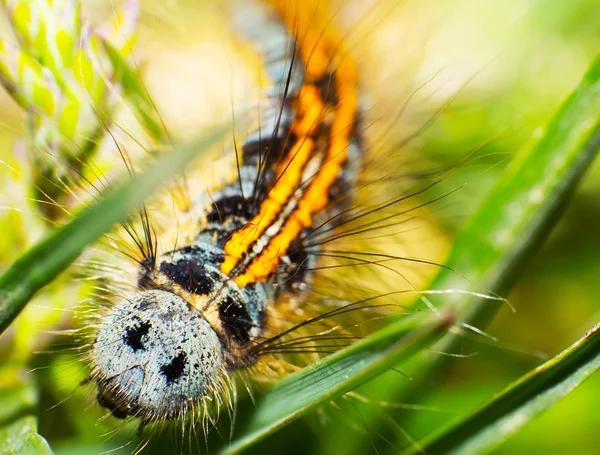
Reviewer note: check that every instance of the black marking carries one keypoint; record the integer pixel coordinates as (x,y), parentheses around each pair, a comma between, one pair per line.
(133,335)
(115,410)
(190,275)
(251,151)
(265,155)
(326,86)
(195,253)
(174,369)
(231,206)
(236,320)
(294,275)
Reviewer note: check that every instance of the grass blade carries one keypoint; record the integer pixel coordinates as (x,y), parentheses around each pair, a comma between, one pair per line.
(338,374)
(520,402)
(44,261)
(518,214)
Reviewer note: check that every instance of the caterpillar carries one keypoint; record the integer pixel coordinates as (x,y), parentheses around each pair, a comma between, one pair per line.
(201,310)
(215,304)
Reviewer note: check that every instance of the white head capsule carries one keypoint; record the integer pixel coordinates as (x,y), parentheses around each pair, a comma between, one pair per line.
(155,357)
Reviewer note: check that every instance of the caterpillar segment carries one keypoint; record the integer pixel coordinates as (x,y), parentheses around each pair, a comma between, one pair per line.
(200,310)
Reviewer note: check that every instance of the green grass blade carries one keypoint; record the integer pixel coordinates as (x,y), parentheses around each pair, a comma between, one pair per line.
(520,402)
(518,214)
(508,228)
(21,438)
(44,261)
(521,210)
(338,374)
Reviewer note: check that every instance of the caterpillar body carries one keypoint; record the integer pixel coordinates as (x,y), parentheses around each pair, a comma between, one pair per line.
(201,311)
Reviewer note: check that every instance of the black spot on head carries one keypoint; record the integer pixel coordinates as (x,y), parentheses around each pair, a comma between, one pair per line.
(133,335)
(190,275)
(235,320)
(173,370)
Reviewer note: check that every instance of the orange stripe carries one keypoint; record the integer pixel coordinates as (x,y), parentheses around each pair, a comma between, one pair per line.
(316,48)
(288,179)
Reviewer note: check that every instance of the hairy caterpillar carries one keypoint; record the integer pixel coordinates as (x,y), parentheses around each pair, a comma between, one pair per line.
(171,365)
(235,289)
(212,306)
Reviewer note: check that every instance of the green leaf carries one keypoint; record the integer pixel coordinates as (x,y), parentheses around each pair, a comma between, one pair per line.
(508,229)
(44,261)
(19,398)
(520,402)
(338,374)
(21,438)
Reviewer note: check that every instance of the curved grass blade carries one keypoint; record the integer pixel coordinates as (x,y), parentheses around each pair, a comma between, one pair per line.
(526,203)
(520,402)
(340,373)
(44,261)
(507,230)
(519,213)
(22,438)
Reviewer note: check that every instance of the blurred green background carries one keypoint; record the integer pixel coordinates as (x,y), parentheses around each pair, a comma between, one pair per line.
(513,62)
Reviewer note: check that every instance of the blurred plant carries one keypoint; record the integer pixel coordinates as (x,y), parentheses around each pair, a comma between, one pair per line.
(60,72)
(70,77)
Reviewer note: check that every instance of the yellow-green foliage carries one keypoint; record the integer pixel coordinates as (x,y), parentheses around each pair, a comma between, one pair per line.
(60,73)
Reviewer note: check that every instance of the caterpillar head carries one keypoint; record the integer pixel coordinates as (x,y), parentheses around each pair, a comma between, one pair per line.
(155,357)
